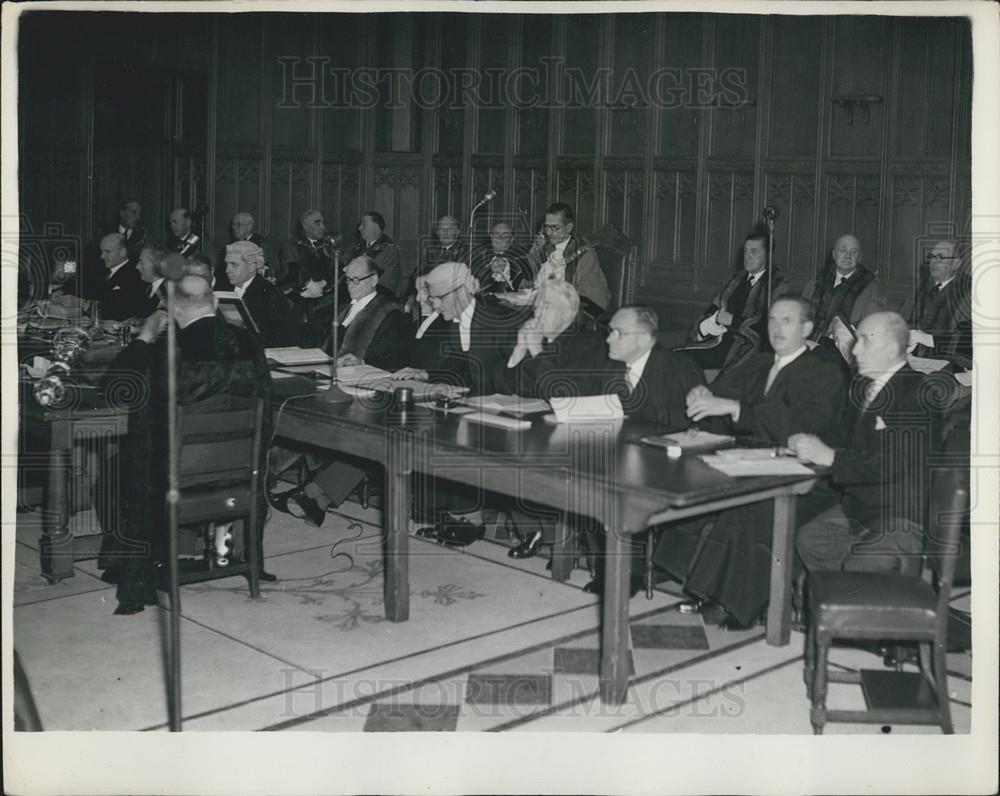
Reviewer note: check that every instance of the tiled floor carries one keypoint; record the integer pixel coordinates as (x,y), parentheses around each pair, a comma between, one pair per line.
(492,645)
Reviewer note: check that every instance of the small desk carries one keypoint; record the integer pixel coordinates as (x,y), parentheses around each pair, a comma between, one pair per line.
(591,470)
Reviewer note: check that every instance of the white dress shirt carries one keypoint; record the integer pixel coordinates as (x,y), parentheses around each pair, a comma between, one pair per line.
(116,269)
(155,286)
(634,370)
(841,278)
(877,384)
(239,290)
(426,323)
(356,306)
(779,363)
(464,322)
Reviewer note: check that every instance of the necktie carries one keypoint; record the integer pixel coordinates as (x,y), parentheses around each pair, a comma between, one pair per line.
(630,378)
(870,392)
(772,375)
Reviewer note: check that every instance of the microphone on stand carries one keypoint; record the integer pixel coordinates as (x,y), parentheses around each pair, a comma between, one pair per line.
(335,395)
(488,197)
(771,214)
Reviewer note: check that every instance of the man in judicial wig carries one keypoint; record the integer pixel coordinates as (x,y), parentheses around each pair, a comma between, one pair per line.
(876,522)
(770,397)
(941,316)
(214,360)
(843,287)
(480,337)
(734,327)
(268,308)
(373,329)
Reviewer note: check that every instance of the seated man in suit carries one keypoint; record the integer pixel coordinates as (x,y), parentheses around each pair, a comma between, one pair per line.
(448,246)
(770,398)
(500,265)
(241,227)
(267,307)
(154,294)
(652,383)
(941,319)
(844,287)
(182,239)
(122,295)
(560,254)
(373,330)
(734,327)
(876,522)
(213,359)
(480,336)
(378,246)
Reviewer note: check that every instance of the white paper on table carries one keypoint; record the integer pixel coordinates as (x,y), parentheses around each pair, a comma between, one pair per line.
(512,404)
(781,465)
(964,377)
(587,409)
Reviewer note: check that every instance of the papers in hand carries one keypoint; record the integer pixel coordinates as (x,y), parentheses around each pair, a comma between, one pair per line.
(748,462)
(586,409)
(691,439)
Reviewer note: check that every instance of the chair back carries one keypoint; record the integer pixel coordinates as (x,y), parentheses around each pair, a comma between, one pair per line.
(949,510)
(219,441)
(618,257)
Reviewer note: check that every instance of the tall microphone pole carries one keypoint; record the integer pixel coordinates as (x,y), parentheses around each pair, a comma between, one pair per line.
(335,395)
(771,214)
(172,269)
(488,197)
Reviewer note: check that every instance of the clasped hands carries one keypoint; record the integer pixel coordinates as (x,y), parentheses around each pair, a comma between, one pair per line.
(701,403)
(313,289)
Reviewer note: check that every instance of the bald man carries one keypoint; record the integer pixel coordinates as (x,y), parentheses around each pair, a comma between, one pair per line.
(843,287)
(480,337)
(876,523)
(215,360)
(500,265)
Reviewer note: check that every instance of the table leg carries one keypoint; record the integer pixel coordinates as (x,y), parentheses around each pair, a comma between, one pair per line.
(614,630)
(397,522)
(563,551)
(779,611)
(56,544)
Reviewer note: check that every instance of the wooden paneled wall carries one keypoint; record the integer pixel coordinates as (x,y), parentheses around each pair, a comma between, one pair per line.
(678,128)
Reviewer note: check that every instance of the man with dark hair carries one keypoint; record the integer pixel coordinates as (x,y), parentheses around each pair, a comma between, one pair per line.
(559,254)
(941,317)
(131,229)
(770,398)
(844,287)
(373,330)
(268,308)
(182,239)
(734,327)
(122,292)
(214,359)
(876,524)
(379,247)
(149,272)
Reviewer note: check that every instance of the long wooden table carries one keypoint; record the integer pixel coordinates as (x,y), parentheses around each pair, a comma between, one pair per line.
(592,470)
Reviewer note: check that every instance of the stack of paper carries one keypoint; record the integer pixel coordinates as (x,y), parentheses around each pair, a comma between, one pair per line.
(691,439)
(510,404)
(757,465)
(293,355)
(586,409)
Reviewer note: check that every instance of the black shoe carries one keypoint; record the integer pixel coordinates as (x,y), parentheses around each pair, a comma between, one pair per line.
(527,548)
(266,577)
(428,532)
(459,533)
(129,608)
(732,624)
(695,606)
(636,584)
(280,501)
(311,509)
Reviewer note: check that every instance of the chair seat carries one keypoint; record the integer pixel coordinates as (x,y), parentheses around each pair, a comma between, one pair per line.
(868,603)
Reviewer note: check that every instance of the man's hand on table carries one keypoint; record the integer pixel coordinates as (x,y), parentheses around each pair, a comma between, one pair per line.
(810,449)
(415,374)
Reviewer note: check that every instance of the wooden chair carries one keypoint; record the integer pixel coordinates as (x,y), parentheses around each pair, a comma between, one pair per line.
(219,479)
(618,257)
(896,609)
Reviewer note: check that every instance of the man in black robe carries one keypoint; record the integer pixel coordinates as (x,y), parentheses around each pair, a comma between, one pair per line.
(214,359)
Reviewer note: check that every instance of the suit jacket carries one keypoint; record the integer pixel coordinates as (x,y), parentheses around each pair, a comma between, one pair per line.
(807,397)
(135,241)
(748,334)
(123,295)
(575,363)
(191,244)
(661,395)
(377,334)
(880,470)
(385,253)
(945,314)
(299,261)
(853,298)
(481,368)
(271,312)
(583,271)
(152,302)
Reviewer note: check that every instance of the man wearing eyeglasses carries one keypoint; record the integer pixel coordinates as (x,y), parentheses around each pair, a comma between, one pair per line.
(372,327)
(941,317)
(559,254)
(480,338)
